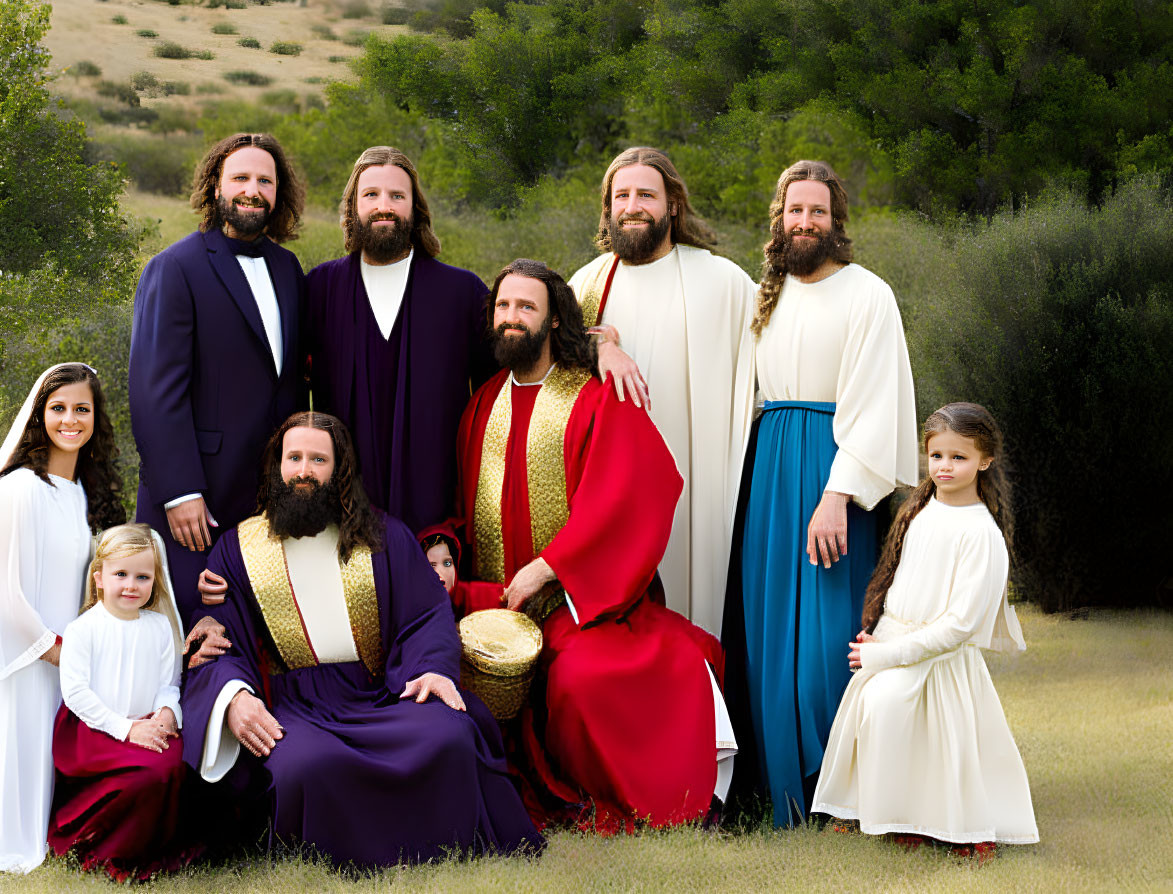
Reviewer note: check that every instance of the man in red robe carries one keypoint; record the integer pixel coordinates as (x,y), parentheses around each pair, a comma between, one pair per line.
(564,485)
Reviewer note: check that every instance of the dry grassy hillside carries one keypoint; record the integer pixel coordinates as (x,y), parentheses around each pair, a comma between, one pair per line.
(91,30)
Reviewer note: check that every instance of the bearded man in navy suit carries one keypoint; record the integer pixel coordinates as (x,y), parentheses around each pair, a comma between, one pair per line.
(215,360)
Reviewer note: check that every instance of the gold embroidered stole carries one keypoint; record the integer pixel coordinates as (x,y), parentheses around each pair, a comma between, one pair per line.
(264,560)
(593,289)
(545,468)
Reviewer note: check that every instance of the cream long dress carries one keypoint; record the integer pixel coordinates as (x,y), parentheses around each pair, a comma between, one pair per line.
(44,550)
(920,743)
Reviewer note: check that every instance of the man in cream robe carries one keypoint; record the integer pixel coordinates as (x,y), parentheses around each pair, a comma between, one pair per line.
(837,434)
(682,314)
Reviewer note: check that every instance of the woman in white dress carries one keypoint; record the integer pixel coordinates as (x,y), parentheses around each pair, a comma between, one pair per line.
(920,745)
(59,450)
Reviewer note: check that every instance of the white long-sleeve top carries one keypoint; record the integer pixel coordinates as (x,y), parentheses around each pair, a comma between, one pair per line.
(841,340)
(949,590)
(114,672)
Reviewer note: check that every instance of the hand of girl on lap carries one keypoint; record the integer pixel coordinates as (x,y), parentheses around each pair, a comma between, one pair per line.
(149,734)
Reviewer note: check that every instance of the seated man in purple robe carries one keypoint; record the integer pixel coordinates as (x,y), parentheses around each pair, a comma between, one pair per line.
(339,678)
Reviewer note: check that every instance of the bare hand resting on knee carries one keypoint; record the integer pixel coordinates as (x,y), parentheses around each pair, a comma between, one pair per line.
(252,724)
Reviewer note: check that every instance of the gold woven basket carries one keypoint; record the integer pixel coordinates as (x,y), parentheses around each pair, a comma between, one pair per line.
(499,651)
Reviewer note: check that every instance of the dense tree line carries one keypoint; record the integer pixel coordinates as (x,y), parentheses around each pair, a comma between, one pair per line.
(943,105)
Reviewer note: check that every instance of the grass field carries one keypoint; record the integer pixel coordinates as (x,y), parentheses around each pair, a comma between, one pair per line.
(1090,704)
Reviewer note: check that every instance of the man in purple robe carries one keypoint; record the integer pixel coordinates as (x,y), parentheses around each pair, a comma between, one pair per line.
(339,678)
(397,340)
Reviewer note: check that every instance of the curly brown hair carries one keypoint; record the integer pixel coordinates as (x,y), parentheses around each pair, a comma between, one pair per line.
(570,345)
(361,524)
(774,266)
(423,236)
(285,217)
(97,460)
(970,421)
(687,227)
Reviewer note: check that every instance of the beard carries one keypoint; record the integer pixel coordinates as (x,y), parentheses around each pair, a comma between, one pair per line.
(245,224)
(637,246)
(385,244)
(520,353)
(301,511)
(805,257)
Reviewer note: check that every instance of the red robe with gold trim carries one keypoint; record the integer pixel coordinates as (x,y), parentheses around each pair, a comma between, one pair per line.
(621,714)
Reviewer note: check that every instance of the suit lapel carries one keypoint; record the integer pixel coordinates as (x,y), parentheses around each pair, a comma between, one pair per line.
(228,270)
(288,302)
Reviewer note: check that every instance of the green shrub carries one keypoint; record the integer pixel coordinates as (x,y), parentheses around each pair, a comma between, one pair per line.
(355,9)
(209,88)
(203,54)
(285,48)
(249,42)
(248,78)
(395,15)
(176,88)
(355,37)
(143,80)
(120,20)
(124,93)
(339,59)
(1059,319)
(147,33)
(323,32)
(161,165)
(84,69)
(315,79)
(227,4)
(169,49)
(224,28)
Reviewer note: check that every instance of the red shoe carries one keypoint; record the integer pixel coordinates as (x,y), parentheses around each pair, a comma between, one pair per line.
(909,842)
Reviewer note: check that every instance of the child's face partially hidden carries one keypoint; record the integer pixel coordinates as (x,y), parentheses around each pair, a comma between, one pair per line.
(954,463)
(445,568)
(126,583)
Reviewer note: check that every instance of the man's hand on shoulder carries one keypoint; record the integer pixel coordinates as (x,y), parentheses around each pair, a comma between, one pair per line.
(625,375)
(207,636)
(252,724)
(429,684)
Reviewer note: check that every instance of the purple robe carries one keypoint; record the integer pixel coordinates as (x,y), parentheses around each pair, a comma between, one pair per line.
(401,396)
(363,777)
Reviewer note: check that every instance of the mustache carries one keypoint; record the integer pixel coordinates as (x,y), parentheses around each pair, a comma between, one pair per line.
(250,203)
(505,327)
(642,216)
(383,215)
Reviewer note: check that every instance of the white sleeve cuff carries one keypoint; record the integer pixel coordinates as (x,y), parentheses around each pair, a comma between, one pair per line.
(186,498)
(220,746)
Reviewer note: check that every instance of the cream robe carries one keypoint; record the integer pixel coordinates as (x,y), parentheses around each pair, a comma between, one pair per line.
(684,319)
(841,340)
(920,743)
(44,552)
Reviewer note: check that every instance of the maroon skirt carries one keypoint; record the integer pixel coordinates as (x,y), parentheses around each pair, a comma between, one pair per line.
(115,804)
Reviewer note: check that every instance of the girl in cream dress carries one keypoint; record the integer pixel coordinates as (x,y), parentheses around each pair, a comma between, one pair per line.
(920,744)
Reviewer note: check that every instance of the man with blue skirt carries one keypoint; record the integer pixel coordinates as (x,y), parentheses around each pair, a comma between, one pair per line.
(837,434)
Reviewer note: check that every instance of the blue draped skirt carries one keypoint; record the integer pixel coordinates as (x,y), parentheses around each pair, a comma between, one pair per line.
(799,618)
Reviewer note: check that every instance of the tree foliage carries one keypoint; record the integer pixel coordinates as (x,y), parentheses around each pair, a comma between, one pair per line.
(959,105)
(1059,319)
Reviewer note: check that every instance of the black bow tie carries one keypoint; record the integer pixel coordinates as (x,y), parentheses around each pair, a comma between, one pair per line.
(252,249)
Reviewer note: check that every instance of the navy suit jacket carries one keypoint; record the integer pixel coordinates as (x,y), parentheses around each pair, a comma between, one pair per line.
(204,391)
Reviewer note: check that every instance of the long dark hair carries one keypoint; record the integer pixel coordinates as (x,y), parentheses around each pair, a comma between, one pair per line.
(687,228)
(286,216)
(774,265)
(970,421)
(97,467)
(360,525)
(423,236)
(570,345)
